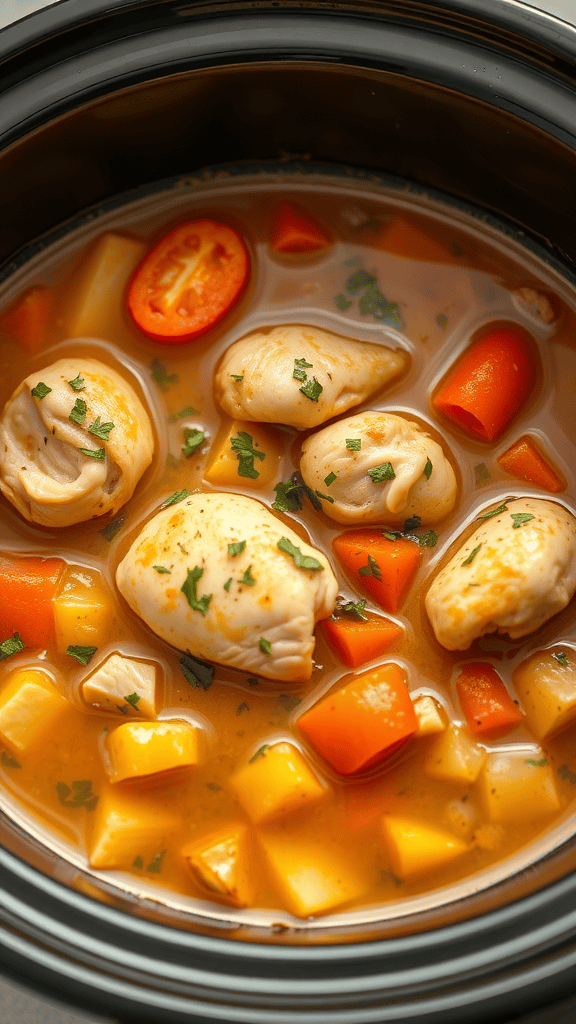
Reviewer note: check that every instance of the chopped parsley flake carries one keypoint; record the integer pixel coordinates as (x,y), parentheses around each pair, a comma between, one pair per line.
(193,439)
(228,584)
(265,645)
(324,497)
(300,367)
(253,681)
(495,511)
(155,865)
(428,469)
(132,699)
(190,590)
(482,472)
(537,764)
(188,411)
(329,479)
(261,752)
(77,384)
(354,444)
(197,673)
(247,579)
(242,707)
(371,569)
(160,376)
(360,279)
(237,376)
(288,495)
(381,473)
(82,654)
(565,773)
(110,531)
(560,657)
(9,762)
(353,609)
(312,389)
(175,498)
(138,862)
(79,795)
(289,701)
(94,453)
(472,555)
(243,447)
(342,302)
(300,560)
(162,569)
(40,391)
(236,548)
(11,646)
(441,320)
(78,413)
(100,430)
(412,523)
(520,518)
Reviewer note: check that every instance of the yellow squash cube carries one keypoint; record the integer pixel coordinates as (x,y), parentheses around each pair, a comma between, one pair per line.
(138,750)
(30,706)
(416,848)
(454,756)
(546,686)
(83,610)
(95,306)
(129,830)
(276,781)
(244,454)
(222,864)
(313,878)
(123,686)
(517,786)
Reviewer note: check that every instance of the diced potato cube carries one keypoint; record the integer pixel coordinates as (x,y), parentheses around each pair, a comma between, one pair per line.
(94,308)
(221,862)
(416,848)
(546,686)
(276,781)
(83,610)
(313,878)
(454,756)
(138,750)
(124,686)
(227,467)
(517,786)
(128,827)
(29,707)
(429,714)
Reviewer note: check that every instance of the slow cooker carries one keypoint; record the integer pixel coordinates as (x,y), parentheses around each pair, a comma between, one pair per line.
(475,100)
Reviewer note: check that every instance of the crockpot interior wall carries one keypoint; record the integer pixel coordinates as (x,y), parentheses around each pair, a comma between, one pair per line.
(362,117)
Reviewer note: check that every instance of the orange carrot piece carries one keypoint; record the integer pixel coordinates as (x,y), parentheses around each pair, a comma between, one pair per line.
(357,642)
(488,707)
(295,231)
(28,319)
(405,237)
(359,725)
(485,389)
(524,461)
(384,568)
(27,589)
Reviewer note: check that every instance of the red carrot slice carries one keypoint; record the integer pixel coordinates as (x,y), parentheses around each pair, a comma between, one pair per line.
(28,587)
(488,707)
(489,383)
(383,568)
(524,461)
(357,642)
(359,725)
(27,320)
(296,231)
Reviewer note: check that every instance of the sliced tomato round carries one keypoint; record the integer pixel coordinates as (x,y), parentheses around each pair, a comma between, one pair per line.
(188,281)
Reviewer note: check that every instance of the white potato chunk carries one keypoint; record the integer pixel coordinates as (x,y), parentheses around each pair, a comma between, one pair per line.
(123,686)
(387,469)
(301,376)
(513,573)
(517,786)
(46,424)
(209,577)
(546,685)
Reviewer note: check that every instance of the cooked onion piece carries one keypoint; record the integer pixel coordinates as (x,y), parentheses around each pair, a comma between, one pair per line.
(301,376)
(380,468)
(220,577)
(515,572)
(74,441)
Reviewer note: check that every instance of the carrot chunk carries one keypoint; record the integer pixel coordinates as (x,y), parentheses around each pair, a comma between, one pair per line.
(357,642)
(28,587)
(405,237)
(384,568)
(524,461)
(296,231)
(359,725)
(27,320)
(489,383)
(485,701)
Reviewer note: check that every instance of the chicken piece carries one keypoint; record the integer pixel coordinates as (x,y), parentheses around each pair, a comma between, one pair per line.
(301,376)
(74,441)
(513,573)
(386,470)
(123,686)
(221,577)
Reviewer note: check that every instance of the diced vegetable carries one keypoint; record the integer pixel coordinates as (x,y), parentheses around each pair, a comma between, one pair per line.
(222,863)
(311,876)
(140,749)
(383,568)
(488,707)
(123,686)
(546,685)
(296,231)
(276,781)
(362,723)
(454,756)
(94,308)
(188,282)
(416,848)
(30,706)
(129,827)
(243,455)
(357,642)
(403,236)
(524,461)
(28,587)
(27,320)
(489,383)
(83,610)
(517,786)
(431,718)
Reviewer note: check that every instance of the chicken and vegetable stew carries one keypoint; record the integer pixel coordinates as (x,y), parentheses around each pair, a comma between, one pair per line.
(288,546)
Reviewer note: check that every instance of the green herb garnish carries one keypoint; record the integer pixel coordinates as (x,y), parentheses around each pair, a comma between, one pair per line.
(329,479)
(381,473)
(300,560)
(242,707)
(197,673)
(520,518)
(261,752)
(441,320)
(342,302)
(162,569)
(300,367)
(247,579)
(155,864)
(9,762)
(371,569)
(312,389)
(428,469)
(289,701)
(353,609)
(100,430)
(82,654)
(192,440)
(188,411)
(78,412)
(110,531)
(560,657)
(265,645)
(236,548)
(190,590)
(495,511)
(40,391)
(79,795)
(175,498)
(11,646)
(288,495)
(138,862)
(472,555)
(237,376)
(160,377)
(228,584)
(537,764)
(354,444)
(132,699)
(482,472)
(94,453)
(243,447)
(77,384)
(565,773)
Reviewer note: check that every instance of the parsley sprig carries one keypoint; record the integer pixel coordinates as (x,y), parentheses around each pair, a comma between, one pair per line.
(190,590)
(246,452)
